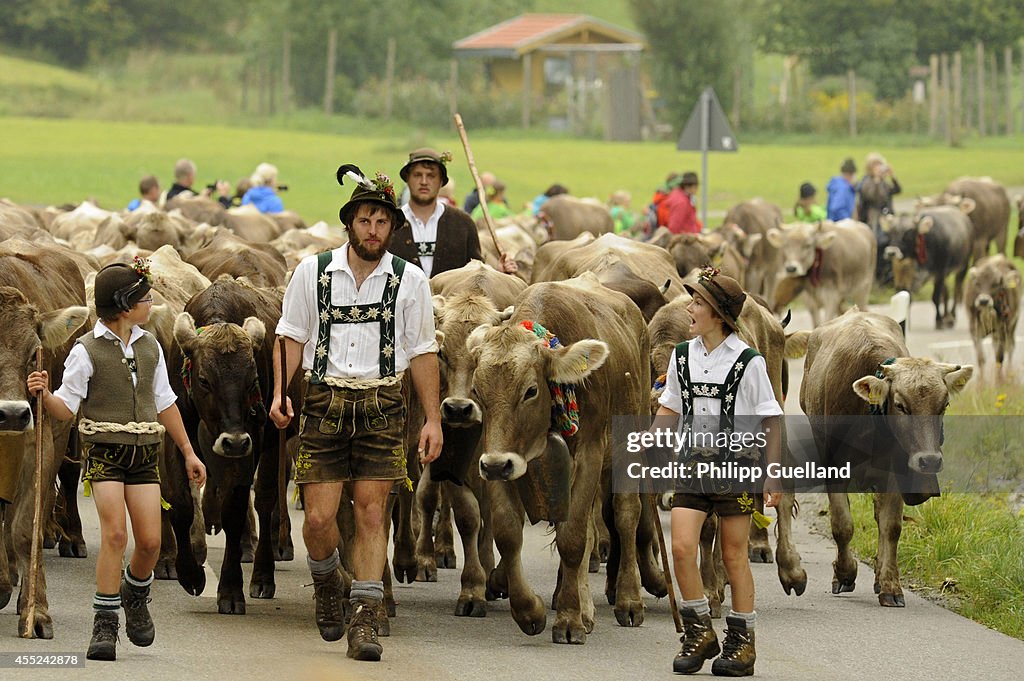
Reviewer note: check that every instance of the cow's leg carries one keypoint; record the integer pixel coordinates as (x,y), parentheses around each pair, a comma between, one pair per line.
(651,576)
(714,587)
(614,560)
(602,538)
(249,536)
(184,564)
(759,550)
(572,539)
(6,586)
(197,533)
(262,583)
(889,516)
(404,561)
(230,596)
(444,533)
(41,625)
(938,298)
(485,538)
(792,576)
(844,568)
(71,543)
(596,520)
(427,498)
(390,605)
(472,599)
(629,606)
(527,607)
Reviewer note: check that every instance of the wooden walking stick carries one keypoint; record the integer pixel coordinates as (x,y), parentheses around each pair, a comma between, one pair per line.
(37,513)
(479,185)
(282,453)
(676,617)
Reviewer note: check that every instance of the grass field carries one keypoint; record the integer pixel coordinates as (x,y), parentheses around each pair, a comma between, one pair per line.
(55,161)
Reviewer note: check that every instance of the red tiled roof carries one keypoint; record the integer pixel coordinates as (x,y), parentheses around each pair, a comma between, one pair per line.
(526,29)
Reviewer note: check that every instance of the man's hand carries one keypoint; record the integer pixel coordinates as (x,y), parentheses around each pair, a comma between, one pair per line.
(772,492)
(195,469)
(508,265)
(281,418)
(431,440)
(38,382)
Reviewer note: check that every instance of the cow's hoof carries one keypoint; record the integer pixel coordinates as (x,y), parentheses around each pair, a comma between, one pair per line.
(231,604)
(247,555)
(49,541)
(877,587)
(654,583)
(5,598)
(191,577)
(445,559)
(603,549)
(797,585)
(497,585)
(573,633)
(891,600)
(164,569)
(630,613)
(404,572)
(533,619)
(468,606)
(716,608)
(426,573)
(391,607)
(595,563)
(262,588)
(760,553)
(72,549)
(41,628)
(609,594)
(843,586)
(283,555)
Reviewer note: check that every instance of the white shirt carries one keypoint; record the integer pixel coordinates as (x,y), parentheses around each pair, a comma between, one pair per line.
(754,397)
(425,232)
(78,369)
(355,348)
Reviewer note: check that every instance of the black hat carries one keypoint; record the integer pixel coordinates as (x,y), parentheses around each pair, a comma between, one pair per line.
(119,287)
(723,293)
(379,190)
(427,155)
(848,167)
(807,190)
(688,178)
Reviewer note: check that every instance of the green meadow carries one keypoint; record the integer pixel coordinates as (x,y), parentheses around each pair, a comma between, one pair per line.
(54,161)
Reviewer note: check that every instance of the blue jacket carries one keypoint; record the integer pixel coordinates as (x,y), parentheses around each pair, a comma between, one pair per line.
(265,200)
(842,198)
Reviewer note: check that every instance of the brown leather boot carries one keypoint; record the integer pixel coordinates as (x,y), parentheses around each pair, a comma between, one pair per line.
(699,643)
(362,632)
(137,622)
(327,590)
(737,651)
(103,645)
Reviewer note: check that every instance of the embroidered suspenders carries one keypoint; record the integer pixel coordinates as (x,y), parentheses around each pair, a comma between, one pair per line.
(382,313)
(425,249)
(726,392)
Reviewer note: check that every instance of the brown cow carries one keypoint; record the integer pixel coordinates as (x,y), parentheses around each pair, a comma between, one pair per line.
(227,253)
(991,211)
(834,261)
(566,217)
(754,218)
(605,343)
(992,298)
(229,367)
(42,300)
(854,361)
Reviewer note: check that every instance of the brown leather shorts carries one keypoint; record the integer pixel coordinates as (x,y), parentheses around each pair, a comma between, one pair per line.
(722,504)
(349,434)
(130,464)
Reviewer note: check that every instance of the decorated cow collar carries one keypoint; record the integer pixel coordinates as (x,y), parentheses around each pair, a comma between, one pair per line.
(565,411)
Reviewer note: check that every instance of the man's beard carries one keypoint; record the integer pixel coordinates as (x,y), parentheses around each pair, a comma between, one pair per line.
(413,198)
(369,253)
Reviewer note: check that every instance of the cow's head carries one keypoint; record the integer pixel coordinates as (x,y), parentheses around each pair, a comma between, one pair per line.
(151,230)
(455,318)
(223,380)
(25,329)
(995,288)
(798,243)
(510,383)
(920,388)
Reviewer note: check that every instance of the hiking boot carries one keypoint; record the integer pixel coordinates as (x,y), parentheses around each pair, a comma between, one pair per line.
(103,645)
(362,632)
(327,592)
(699,643)
(137,622)
(737,651)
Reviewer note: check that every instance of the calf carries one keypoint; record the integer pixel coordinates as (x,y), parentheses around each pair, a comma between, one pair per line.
(992,299)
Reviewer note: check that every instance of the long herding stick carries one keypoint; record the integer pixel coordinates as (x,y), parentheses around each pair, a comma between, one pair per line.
(282,454)
(37,513)
(676,617)
(479,185)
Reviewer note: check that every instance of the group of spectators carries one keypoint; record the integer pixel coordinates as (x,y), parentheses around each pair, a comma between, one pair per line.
(261,189)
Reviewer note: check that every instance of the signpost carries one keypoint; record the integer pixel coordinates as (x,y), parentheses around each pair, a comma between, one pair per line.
(707,130)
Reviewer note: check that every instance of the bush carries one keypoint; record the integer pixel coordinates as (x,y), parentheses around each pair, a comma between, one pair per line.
(425,102)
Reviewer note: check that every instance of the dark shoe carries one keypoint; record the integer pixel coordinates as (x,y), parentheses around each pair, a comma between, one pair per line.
(103,645)
(737,651)
(327,592)
(362,632)
(699,643)
(137,622)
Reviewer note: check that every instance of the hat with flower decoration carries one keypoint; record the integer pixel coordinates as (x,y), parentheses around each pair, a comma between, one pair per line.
(119,286)
(723,294)
(379,190)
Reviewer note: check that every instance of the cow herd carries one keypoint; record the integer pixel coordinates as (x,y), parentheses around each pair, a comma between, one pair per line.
(616,307)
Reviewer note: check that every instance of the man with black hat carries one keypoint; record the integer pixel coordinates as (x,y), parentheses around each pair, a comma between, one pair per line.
(441,236)
(356,318)
(719,385)
(117,374)
(682,210)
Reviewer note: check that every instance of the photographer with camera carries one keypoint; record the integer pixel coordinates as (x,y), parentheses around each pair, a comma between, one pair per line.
(875,192)
(263,193)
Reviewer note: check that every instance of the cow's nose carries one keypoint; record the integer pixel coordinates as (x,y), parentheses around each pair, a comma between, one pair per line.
(984,300)
(456,411)
(496,471)
(15,416)
(928,462)
(236,444)
(892,253)
(791,269)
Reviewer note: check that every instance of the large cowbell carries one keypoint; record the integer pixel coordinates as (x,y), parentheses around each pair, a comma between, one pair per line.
(544,489)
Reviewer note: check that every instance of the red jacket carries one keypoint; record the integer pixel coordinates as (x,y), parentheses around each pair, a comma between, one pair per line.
(682,215)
